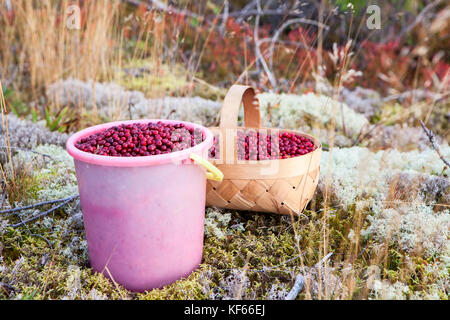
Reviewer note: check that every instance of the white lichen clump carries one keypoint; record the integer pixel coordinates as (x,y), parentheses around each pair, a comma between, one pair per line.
(358,176)
(195,109)
(415,228)
(90,94)
(400,137)
(54,169)
(362,100)
(357,172)
(26,134)
(384,290)
(113,101)
(216,223)
(292,111)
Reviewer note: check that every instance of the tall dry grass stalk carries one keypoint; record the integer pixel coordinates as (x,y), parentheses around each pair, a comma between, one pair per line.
(7,147)
(347,255)
(50,50)
(37,40)
(38,47)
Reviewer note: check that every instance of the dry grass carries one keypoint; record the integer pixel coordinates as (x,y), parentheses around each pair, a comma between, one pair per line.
(50,51)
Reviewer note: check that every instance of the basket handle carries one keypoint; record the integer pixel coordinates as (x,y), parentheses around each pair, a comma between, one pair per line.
(232,102)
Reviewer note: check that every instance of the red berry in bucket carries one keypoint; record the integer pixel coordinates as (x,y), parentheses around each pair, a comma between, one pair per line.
(141,139)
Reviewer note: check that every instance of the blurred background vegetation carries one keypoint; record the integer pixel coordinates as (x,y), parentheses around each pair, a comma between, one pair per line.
(187,48)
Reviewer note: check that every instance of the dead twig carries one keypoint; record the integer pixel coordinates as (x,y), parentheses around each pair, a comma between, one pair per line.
(226,10)
(43,214)
(284,26)
(161,6)
(300,280)
(2,202)
(298,286)
(35,205)
(361,135)
(242,13)
(250,10)
(269,12)
(275,268)
(258,54)
(420,17)
(8,289)
(434,144)
(26,150)
(418,93)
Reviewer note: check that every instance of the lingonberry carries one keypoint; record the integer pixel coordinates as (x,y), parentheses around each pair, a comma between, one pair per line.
(254,145)
(134,140)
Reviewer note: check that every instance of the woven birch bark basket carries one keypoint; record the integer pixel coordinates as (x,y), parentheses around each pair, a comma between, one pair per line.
(283,186)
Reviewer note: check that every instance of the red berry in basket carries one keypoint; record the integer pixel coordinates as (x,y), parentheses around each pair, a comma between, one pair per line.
(140,139)
(253,145)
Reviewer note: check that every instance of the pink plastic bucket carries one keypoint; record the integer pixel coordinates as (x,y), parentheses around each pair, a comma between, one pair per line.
(143,216)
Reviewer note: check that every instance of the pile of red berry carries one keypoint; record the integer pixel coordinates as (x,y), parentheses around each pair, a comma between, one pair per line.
(254,145)
(141,139)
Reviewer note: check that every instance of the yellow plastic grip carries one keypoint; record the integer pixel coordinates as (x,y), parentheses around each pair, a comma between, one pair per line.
(213,173)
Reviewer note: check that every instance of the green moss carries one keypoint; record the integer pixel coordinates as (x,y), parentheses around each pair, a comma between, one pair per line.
(391,113)
(185,289)
(21,184)
(257,255)
(141,75)
(166,80)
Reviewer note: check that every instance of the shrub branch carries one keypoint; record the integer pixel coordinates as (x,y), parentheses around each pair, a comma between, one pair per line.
(434,144)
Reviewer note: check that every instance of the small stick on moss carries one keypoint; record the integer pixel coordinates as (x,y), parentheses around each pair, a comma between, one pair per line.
(433,142)
(35,205)
(300,281)
(298,286)
(27,150)
(43,213)
(7,288)
(362,136)
(3,195)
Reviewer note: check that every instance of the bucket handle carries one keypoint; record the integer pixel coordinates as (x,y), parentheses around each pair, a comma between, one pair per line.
(212,172)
